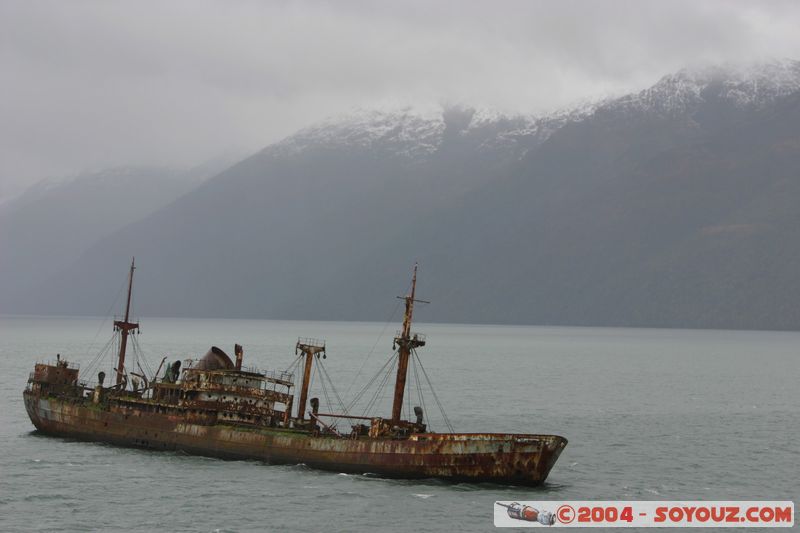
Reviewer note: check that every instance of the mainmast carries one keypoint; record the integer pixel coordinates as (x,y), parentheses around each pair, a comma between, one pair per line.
(125,327)
(406,342)
(309,348)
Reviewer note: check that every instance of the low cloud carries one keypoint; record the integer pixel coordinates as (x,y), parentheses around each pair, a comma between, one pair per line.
(94,84)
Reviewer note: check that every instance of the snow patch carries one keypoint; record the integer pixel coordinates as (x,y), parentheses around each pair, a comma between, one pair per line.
(749,86)
(415,133)
(405,132)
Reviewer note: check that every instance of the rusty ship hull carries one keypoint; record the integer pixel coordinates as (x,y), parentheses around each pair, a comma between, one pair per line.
(474,457)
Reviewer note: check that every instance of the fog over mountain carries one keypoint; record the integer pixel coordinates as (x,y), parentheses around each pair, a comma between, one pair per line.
(93,85)
(674,206)
(49,226)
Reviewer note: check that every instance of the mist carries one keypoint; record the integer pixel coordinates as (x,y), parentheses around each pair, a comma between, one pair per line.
(88,85)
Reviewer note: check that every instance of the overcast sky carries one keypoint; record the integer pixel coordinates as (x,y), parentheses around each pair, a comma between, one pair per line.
(87,85)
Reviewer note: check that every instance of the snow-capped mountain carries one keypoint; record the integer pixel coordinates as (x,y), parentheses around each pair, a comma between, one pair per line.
(747,86)
(417,132)
(409,132)
(675,206)
(412,132)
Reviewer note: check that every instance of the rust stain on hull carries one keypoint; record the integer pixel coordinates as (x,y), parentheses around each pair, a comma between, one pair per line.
(475,457)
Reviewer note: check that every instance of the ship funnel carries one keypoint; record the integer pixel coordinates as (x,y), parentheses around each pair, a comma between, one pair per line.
(418,414)
(239,352)
(214,359)
(314,406)
(101,377)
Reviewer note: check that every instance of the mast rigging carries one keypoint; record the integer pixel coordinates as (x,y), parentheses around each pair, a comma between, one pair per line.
(125,327)
(406,343)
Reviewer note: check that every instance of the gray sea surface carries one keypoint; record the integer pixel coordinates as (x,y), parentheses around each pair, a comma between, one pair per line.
(649,414)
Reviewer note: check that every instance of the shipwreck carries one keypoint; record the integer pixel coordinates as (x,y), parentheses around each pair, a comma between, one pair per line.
(215,406)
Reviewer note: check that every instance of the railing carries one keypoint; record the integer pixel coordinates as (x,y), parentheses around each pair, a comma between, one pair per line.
(279,375)
(271,375)
(63,362)
(416,336)
(355,417)
(308,341)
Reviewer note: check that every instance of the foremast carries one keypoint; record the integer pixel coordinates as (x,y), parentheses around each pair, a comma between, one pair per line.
(125,327)
(406,342)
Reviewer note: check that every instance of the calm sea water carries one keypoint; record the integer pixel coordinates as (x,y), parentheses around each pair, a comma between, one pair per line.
(650,414)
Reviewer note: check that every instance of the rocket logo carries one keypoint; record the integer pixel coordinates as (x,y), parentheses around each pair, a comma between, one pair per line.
(527,513)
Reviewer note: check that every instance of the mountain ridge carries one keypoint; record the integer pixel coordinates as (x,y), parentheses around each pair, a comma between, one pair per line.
(643,210)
